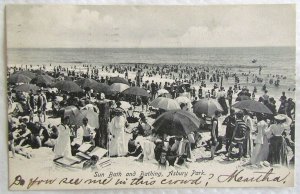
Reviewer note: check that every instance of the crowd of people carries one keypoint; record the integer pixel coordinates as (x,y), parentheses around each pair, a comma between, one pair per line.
(259,138)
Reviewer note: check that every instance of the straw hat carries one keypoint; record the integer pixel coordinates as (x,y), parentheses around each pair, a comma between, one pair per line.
(280,117)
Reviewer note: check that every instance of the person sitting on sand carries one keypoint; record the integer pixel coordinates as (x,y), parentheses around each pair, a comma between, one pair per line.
(85,133)
(23,135)
(39,134)
(143,127)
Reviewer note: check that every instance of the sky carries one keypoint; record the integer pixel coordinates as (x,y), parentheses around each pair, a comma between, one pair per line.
(86,26)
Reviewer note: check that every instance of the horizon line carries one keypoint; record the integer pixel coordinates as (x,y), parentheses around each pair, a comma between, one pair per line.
(147,47)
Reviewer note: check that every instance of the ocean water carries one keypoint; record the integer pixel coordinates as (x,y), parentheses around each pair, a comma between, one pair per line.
(274,60)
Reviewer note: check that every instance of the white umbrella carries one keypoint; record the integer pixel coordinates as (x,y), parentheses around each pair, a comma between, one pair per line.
(183,99)
(162,91)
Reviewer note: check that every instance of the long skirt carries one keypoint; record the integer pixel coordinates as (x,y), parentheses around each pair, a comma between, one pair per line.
(222,102)
(278,151)
(248,144)
(260,152)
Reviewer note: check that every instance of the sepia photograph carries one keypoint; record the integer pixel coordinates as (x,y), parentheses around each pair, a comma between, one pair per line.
(150,96)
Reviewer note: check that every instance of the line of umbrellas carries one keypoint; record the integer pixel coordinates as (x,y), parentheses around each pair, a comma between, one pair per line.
(181,122)
(33,81)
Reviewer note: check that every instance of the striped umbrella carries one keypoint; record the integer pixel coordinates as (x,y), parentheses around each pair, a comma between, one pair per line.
(162,91)
(165,103)
(207,106)
(118,87)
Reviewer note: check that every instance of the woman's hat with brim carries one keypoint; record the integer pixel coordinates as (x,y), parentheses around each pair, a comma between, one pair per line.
(280,117)
(118,110)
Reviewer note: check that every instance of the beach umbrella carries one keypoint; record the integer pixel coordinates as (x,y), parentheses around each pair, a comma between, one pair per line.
(207,106)
(165,103)
(118,87)
(42,80)
(93,119)
(136,91)
(67,86)
(39,72)
(27,73)
(86,82)
(26,88)
(242,97)
(176,122)
(252,106)
(70,111)
(166,95)
(183,99)
(101,88)
(162,91)
(18,78)
(118,80)
(125,105)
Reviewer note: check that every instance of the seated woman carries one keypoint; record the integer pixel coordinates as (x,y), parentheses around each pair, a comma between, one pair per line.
(143,127)
(16,149)
(23,135)
(130,116)
(134,147)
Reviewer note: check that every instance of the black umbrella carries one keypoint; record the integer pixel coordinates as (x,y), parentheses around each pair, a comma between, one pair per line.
(67,86)
(252,106)
(102,88)
(27,73)
(19,78)
(176,122)
(42,80)
(86,82)
(26,88)
(136,91)
(242,97)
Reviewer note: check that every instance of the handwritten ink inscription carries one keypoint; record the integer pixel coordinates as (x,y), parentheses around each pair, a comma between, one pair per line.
(198,178)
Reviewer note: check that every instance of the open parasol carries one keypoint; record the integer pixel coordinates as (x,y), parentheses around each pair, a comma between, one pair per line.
(176,122)
(252,106)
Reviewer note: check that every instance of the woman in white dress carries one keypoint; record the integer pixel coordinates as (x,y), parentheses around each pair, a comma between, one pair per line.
(248,142)
(63,144)
(117,144)
(261,149)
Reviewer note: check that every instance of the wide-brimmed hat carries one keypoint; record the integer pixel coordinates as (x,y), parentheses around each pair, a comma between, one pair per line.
(280,117)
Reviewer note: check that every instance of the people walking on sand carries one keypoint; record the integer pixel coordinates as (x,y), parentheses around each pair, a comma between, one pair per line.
(229,121)
(261,149)
(238,135)
(248,142)
(215,133)
(278,145)
(221,96)
(63,144)
(104,116)
(117,144)
(229,96)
